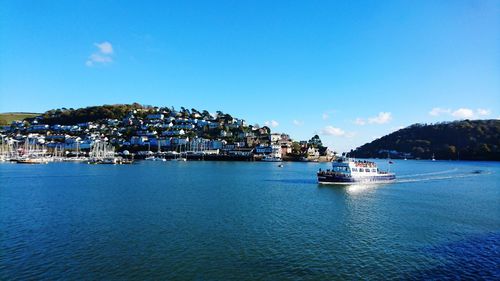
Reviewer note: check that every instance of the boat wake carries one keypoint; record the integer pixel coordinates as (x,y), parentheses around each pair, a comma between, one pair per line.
(429,174)
(443,175)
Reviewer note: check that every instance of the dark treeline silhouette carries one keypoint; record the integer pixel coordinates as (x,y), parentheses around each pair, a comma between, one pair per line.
(464,140)
(70,116)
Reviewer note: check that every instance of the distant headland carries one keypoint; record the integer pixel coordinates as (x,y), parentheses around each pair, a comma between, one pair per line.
(458,140)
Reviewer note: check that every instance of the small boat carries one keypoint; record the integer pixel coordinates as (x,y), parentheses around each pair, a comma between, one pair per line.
(271,158)
(126,161)
(180,159)
(348,171)
(107,160)
(280,165)
(32,161)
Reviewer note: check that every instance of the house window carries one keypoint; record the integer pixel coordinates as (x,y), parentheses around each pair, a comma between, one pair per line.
(354,169)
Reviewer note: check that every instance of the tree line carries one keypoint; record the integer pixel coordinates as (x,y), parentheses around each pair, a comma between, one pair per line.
(458,140)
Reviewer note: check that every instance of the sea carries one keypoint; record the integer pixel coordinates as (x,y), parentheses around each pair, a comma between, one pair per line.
(201,220)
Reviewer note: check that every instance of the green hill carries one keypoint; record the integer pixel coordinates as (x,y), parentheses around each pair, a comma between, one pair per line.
(465,140)
(69,116)
(7,118)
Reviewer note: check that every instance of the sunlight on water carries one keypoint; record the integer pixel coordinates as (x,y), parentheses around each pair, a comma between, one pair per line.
(360,188)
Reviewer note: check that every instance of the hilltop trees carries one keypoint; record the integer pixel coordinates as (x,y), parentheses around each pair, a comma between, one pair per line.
(315,142)
(473,140)
(65,116)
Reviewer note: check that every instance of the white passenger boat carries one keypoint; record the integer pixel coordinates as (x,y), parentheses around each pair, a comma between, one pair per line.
(348,170)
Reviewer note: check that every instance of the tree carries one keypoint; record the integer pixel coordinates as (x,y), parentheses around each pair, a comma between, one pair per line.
(296,148)
(315,142)
(206,115)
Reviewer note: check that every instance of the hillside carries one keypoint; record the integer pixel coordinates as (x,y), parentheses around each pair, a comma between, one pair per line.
(465,140)
(7,118)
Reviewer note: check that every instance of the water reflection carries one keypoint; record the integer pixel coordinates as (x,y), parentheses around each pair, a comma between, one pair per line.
(354,189)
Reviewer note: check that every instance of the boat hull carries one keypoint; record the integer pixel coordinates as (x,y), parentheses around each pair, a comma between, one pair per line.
(272,160)
(325,178)
(32,161)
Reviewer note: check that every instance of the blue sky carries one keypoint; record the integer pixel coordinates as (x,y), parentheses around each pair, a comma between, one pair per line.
(349,71)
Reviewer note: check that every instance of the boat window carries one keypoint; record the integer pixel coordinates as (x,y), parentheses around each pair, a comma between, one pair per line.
(341,169)
(367,170)
(373,170)
(354,169)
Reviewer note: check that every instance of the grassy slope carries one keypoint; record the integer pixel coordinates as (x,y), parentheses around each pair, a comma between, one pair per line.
(7,118)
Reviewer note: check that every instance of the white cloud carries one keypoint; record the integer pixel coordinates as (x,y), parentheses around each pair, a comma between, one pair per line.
(272,123)
(360,121)
(463,113)
(102,55)
(436,111)
(332,131)
(337,132)
(381,118)
(483,112)
(105,47)
(298,123)
(100,58)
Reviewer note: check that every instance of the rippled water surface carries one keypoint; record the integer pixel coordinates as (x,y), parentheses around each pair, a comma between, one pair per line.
(247,221)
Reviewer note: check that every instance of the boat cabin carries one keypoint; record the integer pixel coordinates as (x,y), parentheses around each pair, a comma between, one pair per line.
(355,167)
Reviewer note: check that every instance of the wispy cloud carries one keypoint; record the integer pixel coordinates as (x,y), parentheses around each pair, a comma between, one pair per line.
(272,123)
(298,122)
(337,132)
(461,113)
(381,118)
(102,56)
(360,121)
(328,113)
(483,112)
(436,111)
(105,47)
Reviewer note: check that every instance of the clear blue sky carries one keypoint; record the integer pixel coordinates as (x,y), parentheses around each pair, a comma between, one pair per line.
(347,70)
